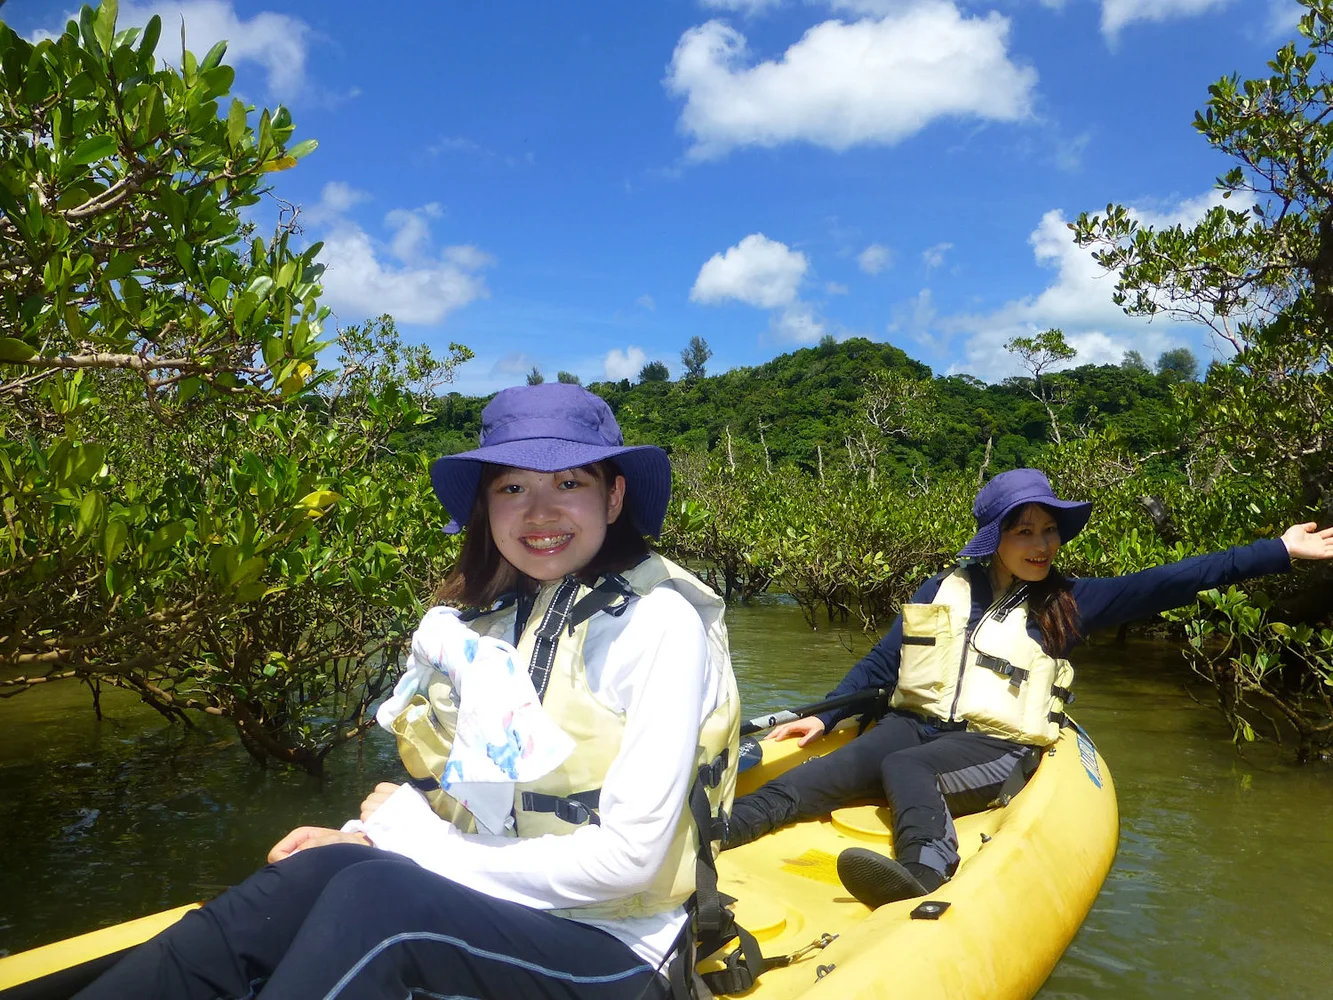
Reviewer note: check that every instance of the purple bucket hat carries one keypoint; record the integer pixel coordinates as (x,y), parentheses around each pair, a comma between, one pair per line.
(547,428)
(1017,488)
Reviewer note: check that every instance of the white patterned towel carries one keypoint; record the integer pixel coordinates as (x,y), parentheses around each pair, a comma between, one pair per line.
(503,734)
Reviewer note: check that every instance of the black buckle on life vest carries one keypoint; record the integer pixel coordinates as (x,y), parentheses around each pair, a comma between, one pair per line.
(1064,694)
(711,773)
(424,784)
(1059,718)
(612,595)
(1016,675)
(576,809)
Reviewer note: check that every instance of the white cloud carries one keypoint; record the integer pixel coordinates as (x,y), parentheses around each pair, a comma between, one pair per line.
(843,84)
(337,198)
(757,271)
(874,258)
(836,288)
(798,323)
(359,282)
(749,8)
(933,257)
(1077,300)
(1283,16)
(514,363)
(646,302)
(422,287)
(1116,14)
(620,364)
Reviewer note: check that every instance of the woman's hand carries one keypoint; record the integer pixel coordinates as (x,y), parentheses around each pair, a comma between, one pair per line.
(1306,541)
(376,799)
(808,729)
(304,837)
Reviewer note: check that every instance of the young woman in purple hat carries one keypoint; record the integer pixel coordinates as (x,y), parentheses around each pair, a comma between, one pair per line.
(977,667)
(581,889)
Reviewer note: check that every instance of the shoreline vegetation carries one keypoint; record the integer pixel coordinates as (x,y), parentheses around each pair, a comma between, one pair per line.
(217,503)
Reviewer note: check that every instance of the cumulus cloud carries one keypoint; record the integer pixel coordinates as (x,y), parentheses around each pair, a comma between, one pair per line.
(798,323)
(620,364)
(1077,300)
(933,257)
(1116,14)
(874,258)
(765,274)
(836,288)
(420,287)
(876,80)
(757,271)
(646,301)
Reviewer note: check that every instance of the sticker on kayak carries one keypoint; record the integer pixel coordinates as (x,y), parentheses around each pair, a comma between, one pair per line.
(1087,753)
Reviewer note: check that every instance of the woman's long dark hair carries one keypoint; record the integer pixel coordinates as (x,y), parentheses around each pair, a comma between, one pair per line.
(482,575)
(1050,602)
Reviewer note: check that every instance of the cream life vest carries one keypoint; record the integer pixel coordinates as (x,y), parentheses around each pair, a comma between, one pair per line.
(996,678)
(566,798)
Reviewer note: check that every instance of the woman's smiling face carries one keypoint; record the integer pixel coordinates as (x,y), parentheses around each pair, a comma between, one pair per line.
(551,524)
(1028,545)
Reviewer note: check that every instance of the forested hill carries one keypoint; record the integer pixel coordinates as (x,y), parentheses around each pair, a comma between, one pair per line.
(815,399)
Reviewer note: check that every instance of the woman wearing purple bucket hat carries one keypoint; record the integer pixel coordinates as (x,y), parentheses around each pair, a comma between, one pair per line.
(582,888)
(977,667)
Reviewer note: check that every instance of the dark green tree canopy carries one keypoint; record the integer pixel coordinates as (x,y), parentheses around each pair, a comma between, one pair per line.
(535,377)
(568,378)
(654,371)
(1178,365)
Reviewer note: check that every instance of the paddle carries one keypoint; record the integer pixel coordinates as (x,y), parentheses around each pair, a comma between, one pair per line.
(760,722)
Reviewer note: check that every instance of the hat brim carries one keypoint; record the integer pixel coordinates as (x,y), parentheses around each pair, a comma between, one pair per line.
(646,468)
(1071,517)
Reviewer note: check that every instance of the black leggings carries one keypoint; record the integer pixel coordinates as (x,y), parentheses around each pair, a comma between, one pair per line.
(928,776)
(354,923)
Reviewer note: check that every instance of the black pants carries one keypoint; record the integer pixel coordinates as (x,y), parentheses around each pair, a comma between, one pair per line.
(355,923)
(928,776)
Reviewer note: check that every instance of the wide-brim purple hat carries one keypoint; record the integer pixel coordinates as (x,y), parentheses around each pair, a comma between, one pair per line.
(547,428)
(1013,489)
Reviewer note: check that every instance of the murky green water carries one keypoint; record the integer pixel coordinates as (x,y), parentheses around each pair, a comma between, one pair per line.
(1222,886)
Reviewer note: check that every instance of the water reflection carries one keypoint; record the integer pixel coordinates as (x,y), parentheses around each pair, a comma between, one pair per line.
(1219,887)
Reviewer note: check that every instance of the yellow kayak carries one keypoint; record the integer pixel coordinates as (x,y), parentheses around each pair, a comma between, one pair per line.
(1029,874)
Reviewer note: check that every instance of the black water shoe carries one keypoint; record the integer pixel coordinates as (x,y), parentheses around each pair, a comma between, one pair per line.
(875,880)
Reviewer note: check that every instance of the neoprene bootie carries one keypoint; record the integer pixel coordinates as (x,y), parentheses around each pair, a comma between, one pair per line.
(875,879)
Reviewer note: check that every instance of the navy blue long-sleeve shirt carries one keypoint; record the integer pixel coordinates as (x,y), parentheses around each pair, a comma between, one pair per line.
(1103,602)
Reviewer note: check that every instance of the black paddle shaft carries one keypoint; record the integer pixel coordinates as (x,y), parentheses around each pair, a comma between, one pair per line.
(761,722)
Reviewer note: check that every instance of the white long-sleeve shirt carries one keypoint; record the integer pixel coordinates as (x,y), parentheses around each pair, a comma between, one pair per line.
(651,663)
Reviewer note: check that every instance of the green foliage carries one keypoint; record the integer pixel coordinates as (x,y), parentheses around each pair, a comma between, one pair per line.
(1133,361)
(1264,668)
(1178,365)
(535,377)
(194,507)
(567,378)
(654,371)
(694,357)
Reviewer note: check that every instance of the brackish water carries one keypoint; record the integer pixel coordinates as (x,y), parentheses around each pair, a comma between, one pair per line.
(1223,885)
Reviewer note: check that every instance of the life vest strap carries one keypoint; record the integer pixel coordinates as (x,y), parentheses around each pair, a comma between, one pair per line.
(578,809)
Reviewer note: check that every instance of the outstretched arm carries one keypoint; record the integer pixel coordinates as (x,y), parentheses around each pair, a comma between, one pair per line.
(1306,541)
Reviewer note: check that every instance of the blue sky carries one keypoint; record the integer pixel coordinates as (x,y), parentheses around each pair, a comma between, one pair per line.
(585,186)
